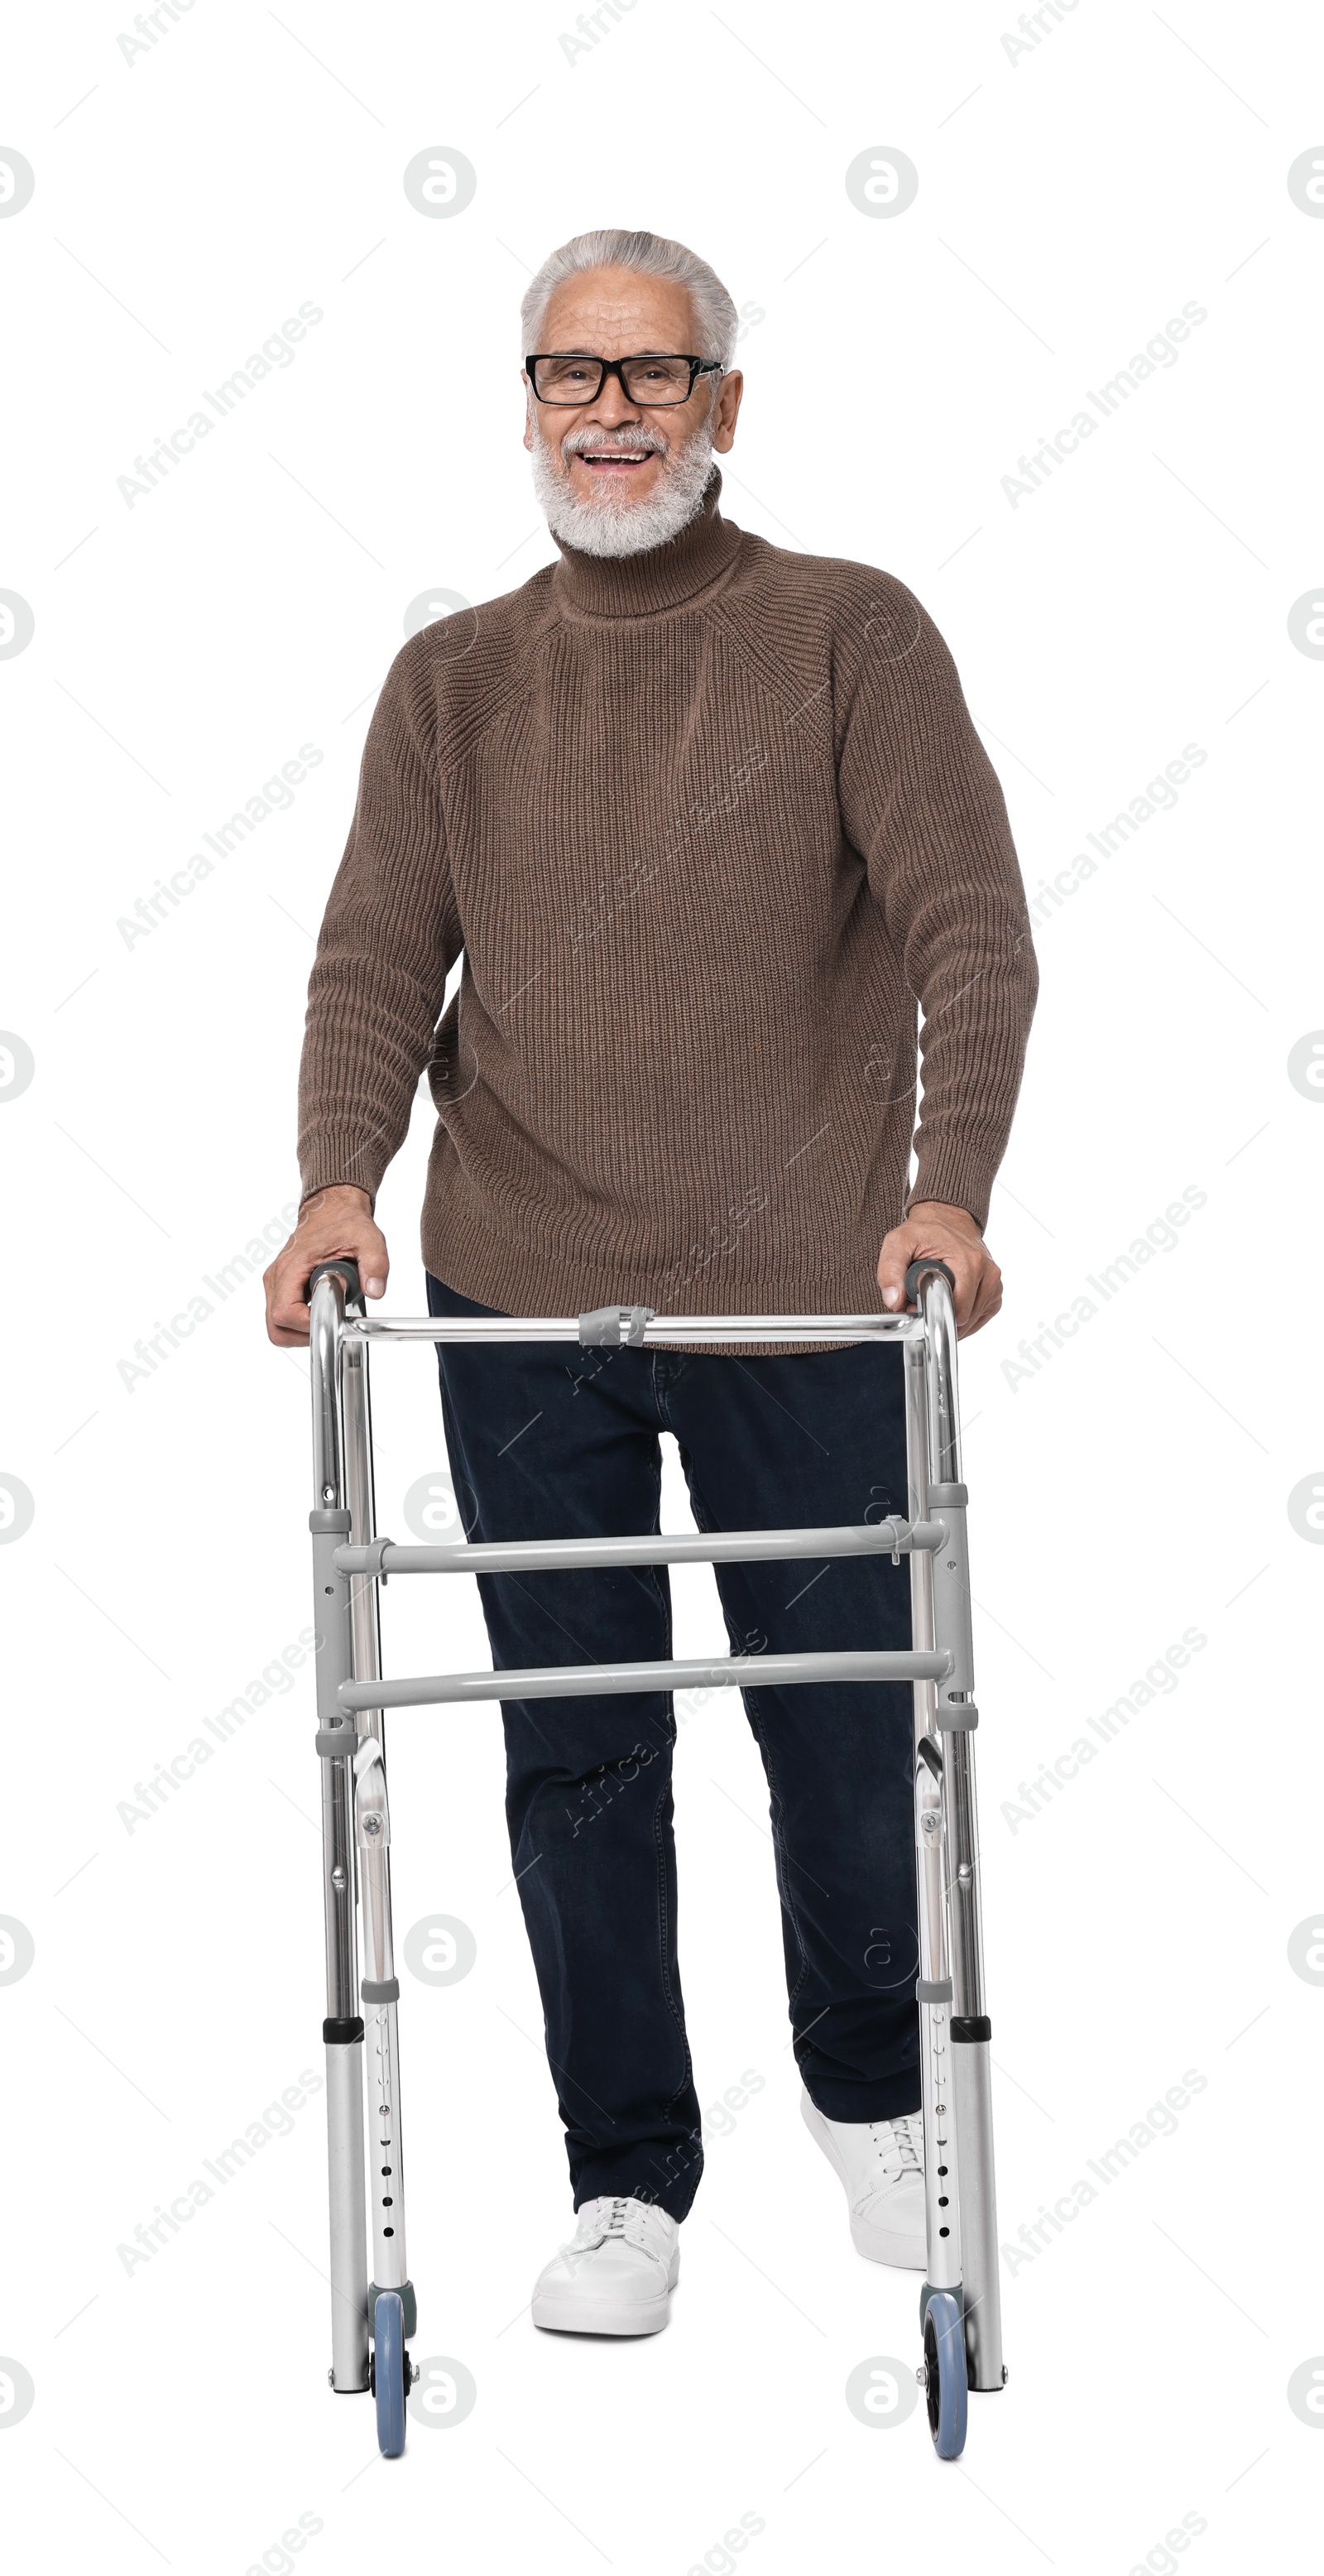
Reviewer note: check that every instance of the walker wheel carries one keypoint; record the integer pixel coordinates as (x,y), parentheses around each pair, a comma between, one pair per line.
(944,2374)
(390,2373)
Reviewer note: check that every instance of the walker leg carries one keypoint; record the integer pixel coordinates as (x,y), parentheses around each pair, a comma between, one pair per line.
(349,2254)
(380,1989)
(942,2200)
(955,1717)
(342,2030)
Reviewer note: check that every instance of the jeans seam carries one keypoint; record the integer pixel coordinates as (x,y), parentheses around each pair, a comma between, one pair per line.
(687,2072)
(780,1846)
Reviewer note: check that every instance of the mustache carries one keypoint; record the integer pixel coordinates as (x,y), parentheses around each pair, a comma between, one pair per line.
(576,441)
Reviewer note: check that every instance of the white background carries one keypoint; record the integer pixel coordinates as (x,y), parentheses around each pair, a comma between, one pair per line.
(1070,200)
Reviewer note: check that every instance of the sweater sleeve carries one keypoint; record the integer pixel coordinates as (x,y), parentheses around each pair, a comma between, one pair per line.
(920,801)
(389,937)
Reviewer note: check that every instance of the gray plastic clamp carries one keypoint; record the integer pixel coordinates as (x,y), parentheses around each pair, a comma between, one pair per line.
(375,1549)
(950,1493)
(933,1990)
(957,1719)
(380,1990)
(333,1742)
(608,1326)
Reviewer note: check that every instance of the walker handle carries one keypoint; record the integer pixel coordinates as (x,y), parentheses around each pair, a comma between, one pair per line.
(923,1270)
(343,1268)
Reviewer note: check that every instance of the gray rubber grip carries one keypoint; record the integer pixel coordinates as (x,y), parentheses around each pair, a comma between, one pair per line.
(923,1269)
(341,1267)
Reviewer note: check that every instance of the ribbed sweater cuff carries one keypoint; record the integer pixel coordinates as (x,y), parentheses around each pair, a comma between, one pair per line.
(336,1173)
(957,1179)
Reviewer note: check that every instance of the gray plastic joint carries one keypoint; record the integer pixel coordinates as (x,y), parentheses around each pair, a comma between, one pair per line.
(320,1521)
(408,2302)
(950,1494)
(608,1326)
(333,1742)
(374,1552)
(956,1717)
(896,1529)
(380,1990)
(933,1990)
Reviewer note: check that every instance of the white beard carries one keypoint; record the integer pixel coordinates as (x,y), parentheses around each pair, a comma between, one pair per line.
(611,522)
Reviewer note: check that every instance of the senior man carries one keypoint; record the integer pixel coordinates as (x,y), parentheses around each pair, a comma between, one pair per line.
(708,821)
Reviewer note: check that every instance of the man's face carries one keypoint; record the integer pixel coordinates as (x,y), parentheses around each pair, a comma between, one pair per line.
(612,457)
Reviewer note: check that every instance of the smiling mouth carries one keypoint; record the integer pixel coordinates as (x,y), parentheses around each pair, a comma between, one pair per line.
(614,460)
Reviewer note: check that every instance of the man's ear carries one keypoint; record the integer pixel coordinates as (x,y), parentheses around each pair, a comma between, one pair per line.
(528,407)
(726,407)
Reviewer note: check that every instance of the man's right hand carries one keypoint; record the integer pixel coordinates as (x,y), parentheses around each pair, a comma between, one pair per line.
(337,1220)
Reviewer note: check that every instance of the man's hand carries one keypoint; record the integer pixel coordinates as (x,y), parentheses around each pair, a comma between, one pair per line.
(337,1220)
(934,1231)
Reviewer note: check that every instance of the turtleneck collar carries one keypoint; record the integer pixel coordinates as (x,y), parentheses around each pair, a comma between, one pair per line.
(663,577)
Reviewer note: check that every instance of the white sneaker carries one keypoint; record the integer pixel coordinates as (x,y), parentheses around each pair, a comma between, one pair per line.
(881,2163)
(615,2276)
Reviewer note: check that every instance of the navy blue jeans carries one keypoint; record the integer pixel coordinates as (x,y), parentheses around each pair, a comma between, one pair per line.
(550,1441)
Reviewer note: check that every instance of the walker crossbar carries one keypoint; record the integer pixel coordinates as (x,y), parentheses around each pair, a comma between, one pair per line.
(663,1332)
(686,1547)
(959,2303)
(588,1681)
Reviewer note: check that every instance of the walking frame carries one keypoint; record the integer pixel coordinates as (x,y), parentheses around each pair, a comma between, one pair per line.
(959,2302)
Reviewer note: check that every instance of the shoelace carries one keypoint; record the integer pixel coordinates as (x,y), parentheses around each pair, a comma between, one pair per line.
(623,2220)
(906,2154)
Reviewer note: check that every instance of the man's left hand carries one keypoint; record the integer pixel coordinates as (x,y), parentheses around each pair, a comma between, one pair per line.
(933,1231)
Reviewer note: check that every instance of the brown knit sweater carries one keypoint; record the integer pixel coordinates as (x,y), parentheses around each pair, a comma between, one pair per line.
(711,825)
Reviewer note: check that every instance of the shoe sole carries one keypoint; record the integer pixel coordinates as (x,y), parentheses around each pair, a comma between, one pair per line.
(878,2247)
(874,2243)
(576,2316)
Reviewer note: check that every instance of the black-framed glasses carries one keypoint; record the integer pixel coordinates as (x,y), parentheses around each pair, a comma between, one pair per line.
(568,377)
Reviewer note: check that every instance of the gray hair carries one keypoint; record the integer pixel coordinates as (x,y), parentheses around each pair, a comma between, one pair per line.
(716,319)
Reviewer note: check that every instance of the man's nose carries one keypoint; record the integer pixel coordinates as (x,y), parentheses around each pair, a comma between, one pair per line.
(613,406)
